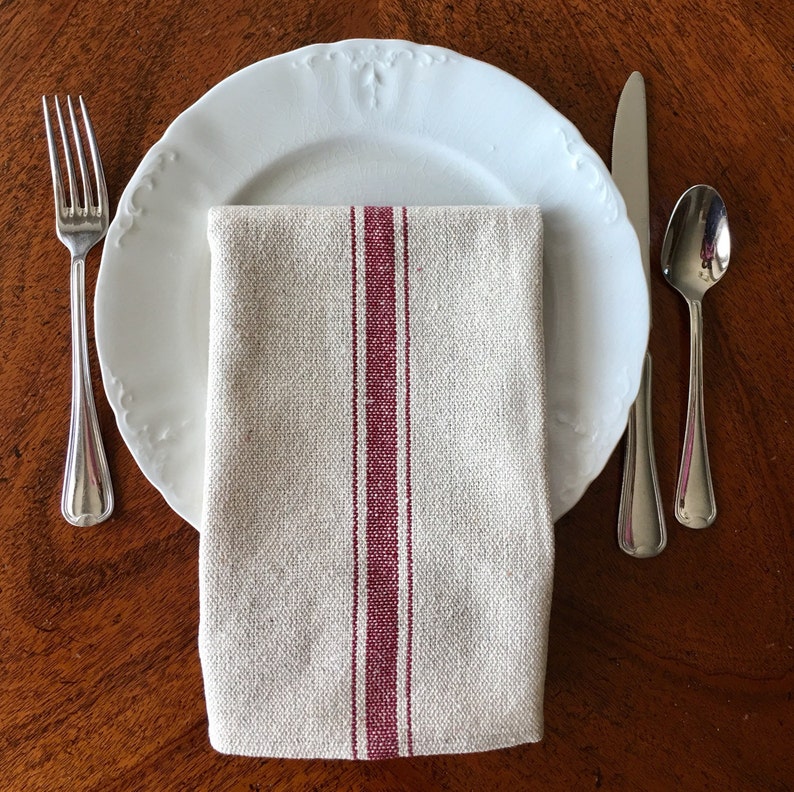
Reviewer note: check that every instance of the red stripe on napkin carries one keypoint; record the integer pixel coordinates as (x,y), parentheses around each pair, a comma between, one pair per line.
(408,516)
(354,333)
(381,483)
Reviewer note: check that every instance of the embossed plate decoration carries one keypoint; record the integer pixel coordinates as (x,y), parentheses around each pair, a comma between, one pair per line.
(366,122)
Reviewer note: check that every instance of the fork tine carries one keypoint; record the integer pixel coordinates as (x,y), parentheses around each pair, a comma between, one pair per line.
(102,190)
(55,165)
(78,144)
(67,153)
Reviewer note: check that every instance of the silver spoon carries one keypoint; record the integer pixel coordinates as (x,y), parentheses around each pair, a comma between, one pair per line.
(695,255)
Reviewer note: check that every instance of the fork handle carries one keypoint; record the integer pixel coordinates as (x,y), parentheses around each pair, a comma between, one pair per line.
(87,497)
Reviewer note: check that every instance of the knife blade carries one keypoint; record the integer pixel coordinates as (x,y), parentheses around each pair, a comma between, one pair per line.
(641,526)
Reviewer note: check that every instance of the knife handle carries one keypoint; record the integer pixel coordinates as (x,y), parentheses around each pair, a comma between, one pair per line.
(641,527)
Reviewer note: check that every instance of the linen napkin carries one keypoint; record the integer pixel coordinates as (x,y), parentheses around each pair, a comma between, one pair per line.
(376,552)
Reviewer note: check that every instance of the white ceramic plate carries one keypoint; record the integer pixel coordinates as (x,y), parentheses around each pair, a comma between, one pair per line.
(366,122)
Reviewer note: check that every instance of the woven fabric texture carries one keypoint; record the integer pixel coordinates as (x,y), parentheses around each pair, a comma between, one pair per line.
(376,552)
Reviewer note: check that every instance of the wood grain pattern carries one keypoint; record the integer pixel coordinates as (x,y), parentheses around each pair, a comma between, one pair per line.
(673,673)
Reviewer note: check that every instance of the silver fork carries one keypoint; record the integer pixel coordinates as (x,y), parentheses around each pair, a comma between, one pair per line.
(81,220)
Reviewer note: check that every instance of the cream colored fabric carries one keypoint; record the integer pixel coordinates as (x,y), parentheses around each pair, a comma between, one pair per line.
(376,553)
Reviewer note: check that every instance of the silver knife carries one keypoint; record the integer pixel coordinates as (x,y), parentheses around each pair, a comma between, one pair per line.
(641,526)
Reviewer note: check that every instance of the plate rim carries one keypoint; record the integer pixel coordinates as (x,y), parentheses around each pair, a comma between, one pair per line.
(575,491)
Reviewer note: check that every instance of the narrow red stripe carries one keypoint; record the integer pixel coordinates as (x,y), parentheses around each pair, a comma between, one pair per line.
(381,482)
(354,330)
(408,496)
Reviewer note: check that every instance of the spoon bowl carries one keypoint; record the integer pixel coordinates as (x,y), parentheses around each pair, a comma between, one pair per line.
(695,255)
(697,245)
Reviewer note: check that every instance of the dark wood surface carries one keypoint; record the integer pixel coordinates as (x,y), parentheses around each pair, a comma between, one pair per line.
(672,673)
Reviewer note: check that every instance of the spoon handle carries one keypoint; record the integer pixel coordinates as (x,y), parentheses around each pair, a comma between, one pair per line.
(641,528)
(694,498)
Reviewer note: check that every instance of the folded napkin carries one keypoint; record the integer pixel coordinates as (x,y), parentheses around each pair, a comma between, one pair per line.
(376,551)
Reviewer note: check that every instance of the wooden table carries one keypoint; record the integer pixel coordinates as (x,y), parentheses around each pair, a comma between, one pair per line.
(672,673)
